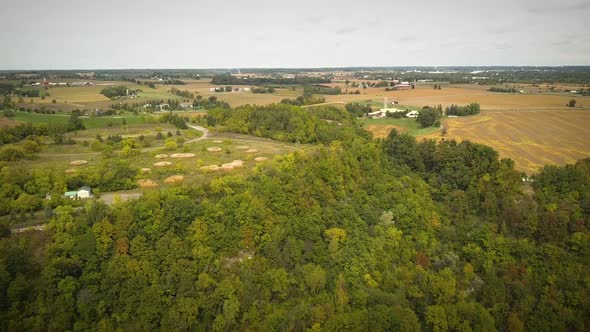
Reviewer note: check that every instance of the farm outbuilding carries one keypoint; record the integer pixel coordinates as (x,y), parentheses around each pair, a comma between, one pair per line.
(412,114)
(71,194)
(83,192)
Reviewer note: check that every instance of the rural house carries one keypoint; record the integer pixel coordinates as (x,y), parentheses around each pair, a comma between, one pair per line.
(412,114)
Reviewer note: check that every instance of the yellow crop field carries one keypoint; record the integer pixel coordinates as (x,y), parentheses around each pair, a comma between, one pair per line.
(426,95)
(531,138)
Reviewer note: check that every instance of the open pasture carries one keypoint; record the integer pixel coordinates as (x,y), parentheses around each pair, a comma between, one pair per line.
(89,122)
(531,138)
(381,127)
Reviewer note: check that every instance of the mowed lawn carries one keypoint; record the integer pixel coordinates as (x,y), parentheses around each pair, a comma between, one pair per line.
(89,122)
(531,138)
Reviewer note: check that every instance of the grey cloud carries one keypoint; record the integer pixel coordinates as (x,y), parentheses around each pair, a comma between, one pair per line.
(346,31)
(315,20)
(302,33)
(540,7)
(407,39)
(503,46)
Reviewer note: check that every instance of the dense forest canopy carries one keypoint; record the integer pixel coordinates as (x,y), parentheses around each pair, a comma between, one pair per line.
(355,234)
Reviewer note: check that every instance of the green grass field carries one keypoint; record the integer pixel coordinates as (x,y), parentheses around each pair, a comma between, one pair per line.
(411,125)
(90,123)
(150,94)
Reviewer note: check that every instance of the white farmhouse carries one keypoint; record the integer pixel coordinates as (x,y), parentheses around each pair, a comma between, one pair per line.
(412,114)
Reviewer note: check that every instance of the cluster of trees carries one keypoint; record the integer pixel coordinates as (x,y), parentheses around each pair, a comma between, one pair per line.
(182,93)
(6,89)
(265,89)
(228,79)
(111,174)
(57,131)
(563,198)
(20,132)
(42,110)
(174,119)
(113,92)
(23,190)
(470,109)
(321,90)
(306,99)
(25,149)
(502,90)
(171,81)
(209,103)
(286,122)
(357,109)
(437,87)
(30,92)
(428,117)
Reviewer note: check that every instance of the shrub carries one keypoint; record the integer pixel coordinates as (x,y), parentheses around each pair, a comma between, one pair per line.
(11,153)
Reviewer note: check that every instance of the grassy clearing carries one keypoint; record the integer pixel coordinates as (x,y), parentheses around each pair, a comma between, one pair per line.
(150,94)
(59,157)
(90,123)
(409,126)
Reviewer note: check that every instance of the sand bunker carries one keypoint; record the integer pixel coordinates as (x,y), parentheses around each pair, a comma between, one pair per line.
(242,147)
(147,184)
(174,179)
(163,164)
(214,149)
(260,159)
(161,156)
(251,151)
(70,171)
(210,168)
(232,165)
(146,170)
(217,141)
(224,167)
(182,155)
(78,162)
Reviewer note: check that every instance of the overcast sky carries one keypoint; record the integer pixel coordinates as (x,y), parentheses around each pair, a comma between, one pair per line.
(78,34)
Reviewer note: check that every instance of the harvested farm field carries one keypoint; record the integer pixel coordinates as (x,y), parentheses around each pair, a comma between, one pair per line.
(531,138)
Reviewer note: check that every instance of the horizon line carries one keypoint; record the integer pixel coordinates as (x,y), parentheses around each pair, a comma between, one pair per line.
(312,67)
